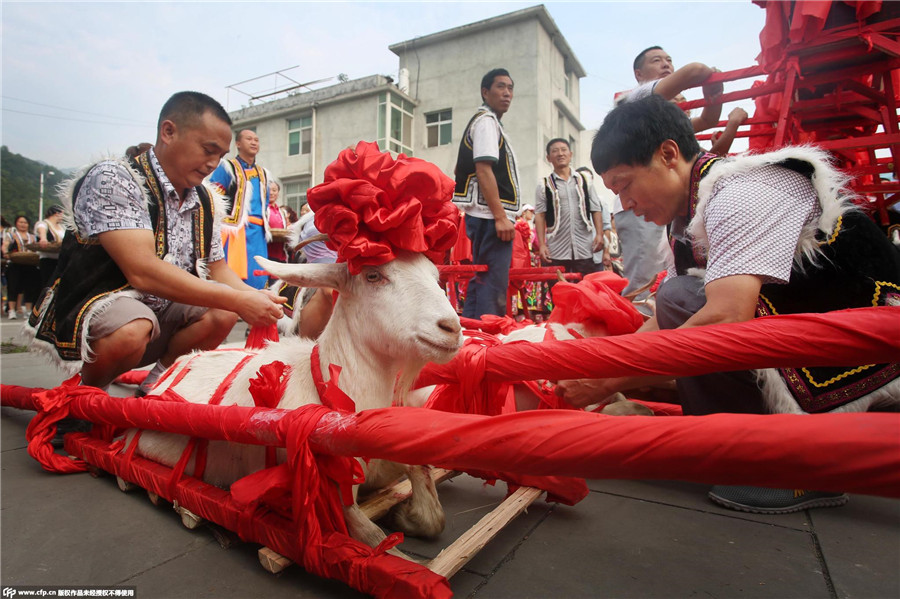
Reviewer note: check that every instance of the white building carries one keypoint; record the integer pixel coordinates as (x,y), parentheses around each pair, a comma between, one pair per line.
(425,112)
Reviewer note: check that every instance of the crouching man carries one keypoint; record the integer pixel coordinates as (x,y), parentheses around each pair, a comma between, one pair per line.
(141,277)
(772,233)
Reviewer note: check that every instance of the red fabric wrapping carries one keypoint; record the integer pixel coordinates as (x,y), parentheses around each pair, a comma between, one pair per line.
(52,406)
(597,302)
(781,451)
(335,556)
(267,387)
(775,450)
(521,256)
(471,395)
(132,377)
(845,337)
(259,335)
(461,252)
(492,324)
(721,448)
(372,206)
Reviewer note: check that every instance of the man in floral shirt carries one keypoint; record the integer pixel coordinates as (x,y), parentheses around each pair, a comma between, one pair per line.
(131,288)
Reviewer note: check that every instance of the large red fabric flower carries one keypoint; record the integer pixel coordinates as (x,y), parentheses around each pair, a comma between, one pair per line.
(373,206)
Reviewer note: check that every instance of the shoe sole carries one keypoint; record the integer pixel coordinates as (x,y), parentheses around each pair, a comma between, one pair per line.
(804,505)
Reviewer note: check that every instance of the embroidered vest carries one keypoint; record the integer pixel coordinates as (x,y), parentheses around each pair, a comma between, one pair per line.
(858,267)
(238,194)
(551,194)
(504,171)
(86,275)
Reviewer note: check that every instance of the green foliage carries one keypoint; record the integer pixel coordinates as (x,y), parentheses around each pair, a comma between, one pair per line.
(20,185)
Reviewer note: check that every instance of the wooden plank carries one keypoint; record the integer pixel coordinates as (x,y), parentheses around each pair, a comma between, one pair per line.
(449,561)
(272,561)
(379,503)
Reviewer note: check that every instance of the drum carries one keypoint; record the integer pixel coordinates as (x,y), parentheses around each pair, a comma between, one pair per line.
(26,258)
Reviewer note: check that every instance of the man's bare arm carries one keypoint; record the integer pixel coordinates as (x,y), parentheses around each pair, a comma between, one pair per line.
(722,142)
(688,76)
(729,299)
(133,250)
(540,227)
(599,242)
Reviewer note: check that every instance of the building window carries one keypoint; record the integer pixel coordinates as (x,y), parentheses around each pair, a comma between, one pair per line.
(395,124)
(300,136)
(438,128)
(560,124)
(572,146)
(294,193)
(570,82)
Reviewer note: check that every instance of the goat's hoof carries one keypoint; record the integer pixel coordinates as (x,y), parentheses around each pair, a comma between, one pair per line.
(189,519)
(124,485)
(155,499)
(94,471)
(405,518)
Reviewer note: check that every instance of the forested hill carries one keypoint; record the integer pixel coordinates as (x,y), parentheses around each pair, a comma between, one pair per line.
(20,185)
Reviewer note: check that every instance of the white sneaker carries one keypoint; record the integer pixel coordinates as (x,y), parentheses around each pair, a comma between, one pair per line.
(13,315)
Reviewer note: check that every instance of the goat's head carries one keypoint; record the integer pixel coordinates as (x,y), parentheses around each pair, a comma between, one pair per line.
(397,309)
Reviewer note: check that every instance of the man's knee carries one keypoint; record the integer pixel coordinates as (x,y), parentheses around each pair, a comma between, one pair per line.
(677,299)
(131,338)
(220,320)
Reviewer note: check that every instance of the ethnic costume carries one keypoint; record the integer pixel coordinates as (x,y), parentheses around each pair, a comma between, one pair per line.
(840,260)
(245,227)
(87,279)
(485,141)
(466,193)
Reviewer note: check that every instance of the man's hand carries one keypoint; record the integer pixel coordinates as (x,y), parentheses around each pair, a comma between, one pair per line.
(580,393)
(711,91)
(607,259)
(598,242)
(259,307)
(544,253)
(737,115)
(506,230)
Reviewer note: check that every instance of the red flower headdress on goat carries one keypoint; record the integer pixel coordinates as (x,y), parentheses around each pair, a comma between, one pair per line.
(372,206)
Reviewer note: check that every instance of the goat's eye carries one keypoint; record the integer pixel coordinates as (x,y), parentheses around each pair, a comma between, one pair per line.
(373,276)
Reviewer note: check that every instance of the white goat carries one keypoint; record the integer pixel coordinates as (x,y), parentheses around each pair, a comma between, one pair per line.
(388,322)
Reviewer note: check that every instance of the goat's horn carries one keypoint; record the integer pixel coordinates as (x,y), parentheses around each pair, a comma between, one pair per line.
(314,238)
(637,292)
(560,277)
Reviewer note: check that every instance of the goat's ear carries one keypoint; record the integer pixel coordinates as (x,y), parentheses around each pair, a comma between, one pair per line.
(308,275)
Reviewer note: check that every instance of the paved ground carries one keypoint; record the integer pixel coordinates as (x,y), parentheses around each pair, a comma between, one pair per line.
(641,539)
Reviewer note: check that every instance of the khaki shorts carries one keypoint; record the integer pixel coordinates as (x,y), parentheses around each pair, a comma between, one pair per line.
(166,323)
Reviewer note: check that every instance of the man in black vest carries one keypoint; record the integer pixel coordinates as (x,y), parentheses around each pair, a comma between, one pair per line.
(130,289)
(773,233)
(487,189)
(569,218)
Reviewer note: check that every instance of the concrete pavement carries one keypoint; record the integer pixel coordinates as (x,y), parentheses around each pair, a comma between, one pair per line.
(641,539)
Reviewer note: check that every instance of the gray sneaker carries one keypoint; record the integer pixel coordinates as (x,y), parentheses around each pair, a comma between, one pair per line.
(762,500)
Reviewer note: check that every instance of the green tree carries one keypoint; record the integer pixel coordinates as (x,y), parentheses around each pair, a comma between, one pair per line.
(20,180)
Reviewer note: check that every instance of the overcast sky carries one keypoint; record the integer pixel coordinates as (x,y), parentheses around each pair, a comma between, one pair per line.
(84,80)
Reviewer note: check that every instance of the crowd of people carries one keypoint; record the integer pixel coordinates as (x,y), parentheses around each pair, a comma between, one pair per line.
(146,274)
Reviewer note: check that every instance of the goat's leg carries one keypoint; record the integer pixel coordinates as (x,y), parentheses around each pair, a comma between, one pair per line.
(365,531)
(421,515)
(379,474)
